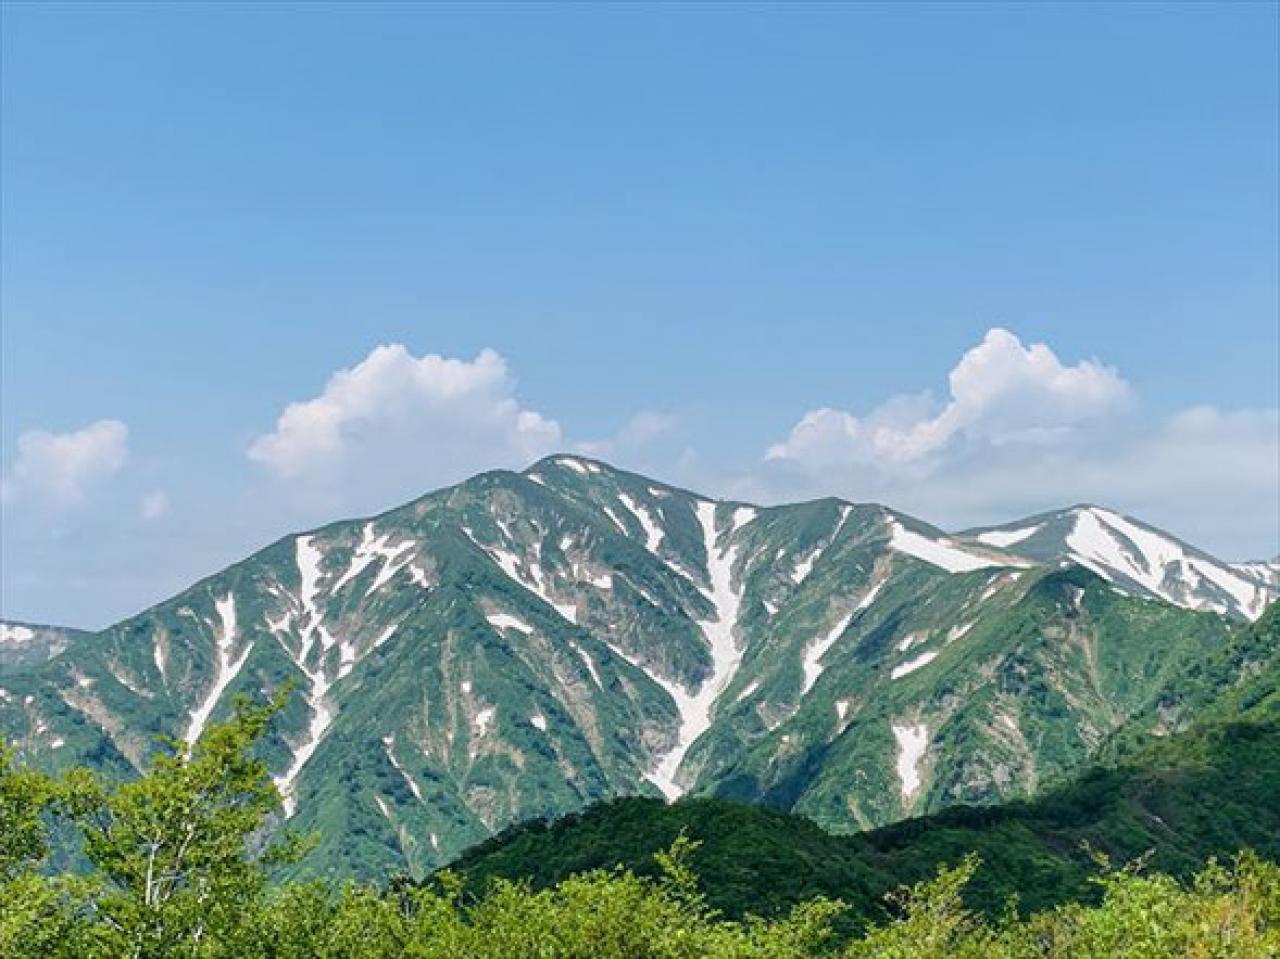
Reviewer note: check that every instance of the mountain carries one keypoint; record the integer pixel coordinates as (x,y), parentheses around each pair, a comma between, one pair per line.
(1138,558)
(23,645)
(1210,795)
(523,644)
(1240,678)
(1177,799)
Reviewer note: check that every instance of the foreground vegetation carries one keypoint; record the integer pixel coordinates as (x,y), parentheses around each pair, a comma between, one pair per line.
(178,864)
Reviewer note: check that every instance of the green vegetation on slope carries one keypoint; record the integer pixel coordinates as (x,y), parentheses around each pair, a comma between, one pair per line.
(179,870)
(1241,679)
(1203,794)
(1208,791)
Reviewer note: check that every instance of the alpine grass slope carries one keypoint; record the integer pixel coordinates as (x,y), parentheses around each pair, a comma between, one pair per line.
(524,644)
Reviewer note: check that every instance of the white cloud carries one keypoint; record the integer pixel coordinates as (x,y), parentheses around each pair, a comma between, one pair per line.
(58,470)
(1023,432)
(1000,392)
(396,424)
(154,505)
(636,435)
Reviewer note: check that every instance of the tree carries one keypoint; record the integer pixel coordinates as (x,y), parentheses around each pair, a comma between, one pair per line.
(24,796)
(181,851)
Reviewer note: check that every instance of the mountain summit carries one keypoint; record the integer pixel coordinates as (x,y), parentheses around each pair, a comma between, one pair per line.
(1138,558)
(523,644)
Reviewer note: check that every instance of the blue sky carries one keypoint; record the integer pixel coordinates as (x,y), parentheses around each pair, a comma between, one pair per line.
(682,231)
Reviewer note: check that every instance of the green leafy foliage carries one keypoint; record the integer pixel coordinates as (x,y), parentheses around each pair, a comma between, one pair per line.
(24,794)
(180,869)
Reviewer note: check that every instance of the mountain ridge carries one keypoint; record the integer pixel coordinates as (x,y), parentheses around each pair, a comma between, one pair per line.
(524,643)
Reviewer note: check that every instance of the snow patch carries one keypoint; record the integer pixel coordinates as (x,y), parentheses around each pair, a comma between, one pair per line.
(507,621)
(388,744)
(361,557)
(532,580)
(617,520)
(726,657)
(652,531)
(942,553)
(311,629)
(1007,537)
(911,665)
(812,662)
(591,666)
(996,583)
(913,743)
(157,655)
(228,667)
(1263,571)
(1158,564)
(805,566)
(911,639)
(13,634)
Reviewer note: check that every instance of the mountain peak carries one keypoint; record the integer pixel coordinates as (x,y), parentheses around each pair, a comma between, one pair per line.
(582,465)
(1136,557)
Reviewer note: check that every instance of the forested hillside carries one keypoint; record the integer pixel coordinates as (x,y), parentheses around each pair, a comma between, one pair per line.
(179,869)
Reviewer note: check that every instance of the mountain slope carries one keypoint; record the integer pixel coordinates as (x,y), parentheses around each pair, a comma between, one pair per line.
(928,708)
(1240,679)
(1207,791)
(24,645)
(1210,795)
(524,644)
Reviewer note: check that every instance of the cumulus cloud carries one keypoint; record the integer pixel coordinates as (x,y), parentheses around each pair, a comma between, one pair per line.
(1000,392)
(154,505)
(59,470)
(636,435)
(1022,431)
(397,423)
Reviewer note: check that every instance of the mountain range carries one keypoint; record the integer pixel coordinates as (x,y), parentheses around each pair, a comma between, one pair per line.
(524,644)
